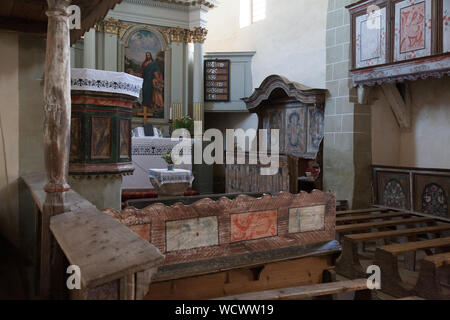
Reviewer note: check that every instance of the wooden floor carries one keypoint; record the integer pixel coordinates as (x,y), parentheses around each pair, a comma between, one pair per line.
(12,284)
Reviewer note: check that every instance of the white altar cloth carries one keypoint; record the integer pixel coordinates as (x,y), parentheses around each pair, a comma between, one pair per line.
(146,154)
(164,176)
(105,81)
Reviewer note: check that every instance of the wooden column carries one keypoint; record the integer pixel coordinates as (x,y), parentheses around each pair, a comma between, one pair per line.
(57,107)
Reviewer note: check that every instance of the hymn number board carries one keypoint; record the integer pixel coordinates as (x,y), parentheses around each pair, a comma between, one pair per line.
(217,80)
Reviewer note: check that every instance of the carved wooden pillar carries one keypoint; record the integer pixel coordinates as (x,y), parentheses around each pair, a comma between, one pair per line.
(57,107)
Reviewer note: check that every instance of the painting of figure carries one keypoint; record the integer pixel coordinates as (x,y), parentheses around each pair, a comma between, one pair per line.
(412,32)
(144,57)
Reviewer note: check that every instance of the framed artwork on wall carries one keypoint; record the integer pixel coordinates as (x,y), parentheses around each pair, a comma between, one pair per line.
(371,43)
(145,57)
(446,25)
(413,36)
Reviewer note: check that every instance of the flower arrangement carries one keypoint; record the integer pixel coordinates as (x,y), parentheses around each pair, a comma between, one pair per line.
(185,122)
(168,158)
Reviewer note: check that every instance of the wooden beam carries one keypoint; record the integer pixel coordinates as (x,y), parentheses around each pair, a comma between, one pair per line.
(57,107)
(400,105)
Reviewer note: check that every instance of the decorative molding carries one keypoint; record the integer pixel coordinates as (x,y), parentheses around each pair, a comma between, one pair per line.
(199,34)
(113,26)
(422,68)
(176,34)
(295,90)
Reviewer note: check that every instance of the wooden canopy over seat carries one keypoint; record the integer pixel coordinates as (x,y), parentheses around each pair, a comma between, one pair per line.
(29,16)
(276,86)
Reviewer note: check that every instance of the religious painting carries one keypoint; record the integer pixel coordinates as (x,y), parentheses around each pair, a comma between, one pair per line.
(431,194)
(370,38)
(413,23)
(316,129)
(125,148)
(144,58)
(296,131)
(75,139)
(446,25)
(101,138)
(253,225)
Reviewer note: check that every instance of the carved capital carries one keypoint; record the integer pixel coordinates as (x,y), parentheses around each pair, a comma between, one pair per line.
(111,26)
(176,34)
(199,34)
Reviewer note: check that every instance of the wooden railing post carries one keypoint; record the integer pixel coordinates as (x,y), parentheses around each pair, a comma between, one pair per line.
(57,108)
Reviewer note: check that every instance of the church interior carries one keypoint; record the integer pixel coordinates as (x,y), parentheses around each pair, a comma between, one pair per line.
(314,137)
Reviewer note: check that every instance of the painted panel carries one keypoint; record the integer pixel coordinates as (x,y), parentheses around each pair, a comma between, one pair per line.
(125,138)
(446,25)
(75,138)
(191,233)
(371,38)
(413,24)
(253,225)
(431,194)
(296,131)
(145,58)
(316,129)
(101,138)
(306,219)
(143,230)
(393,190)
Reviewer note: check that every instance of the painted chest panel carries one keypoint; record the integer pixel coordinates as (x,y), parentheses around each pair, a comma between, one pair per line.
(306,219)
(191,233)
(253,225)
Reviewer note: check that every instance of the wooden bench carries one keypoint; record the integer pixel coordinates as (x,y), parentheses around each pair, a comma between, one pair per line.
(359,286)
(386,259)
(344,229)
(434,277)
(373,216)
(359,211)
(349,264)
(235,246)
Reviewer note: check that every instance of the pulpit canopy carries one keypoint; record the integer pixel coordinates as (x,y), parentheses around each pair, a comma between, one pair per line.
(275,87)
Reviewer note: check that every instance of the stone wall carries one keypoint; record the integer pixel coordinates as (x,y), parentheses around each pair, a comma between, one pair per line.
(347,145)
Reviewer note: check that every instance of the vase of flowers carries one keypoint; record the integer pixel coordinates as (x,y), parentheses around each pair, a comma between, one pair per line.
(168,159)
(185,122)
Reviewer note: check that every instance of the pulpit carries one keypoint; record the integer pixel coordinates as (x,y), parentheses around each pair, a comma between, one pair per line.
(297,112)
(100,149)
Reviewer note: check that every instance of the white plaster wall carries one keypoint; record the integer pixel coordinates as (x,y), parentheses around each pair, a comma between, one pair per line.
(9,136)
(385,133)
(427,143)
(289,42)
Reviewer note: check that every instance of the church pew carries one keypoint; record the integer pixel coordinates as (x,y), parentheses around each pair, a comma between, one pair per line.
(344,229)
(234,246)
(309,291)
(411,298)
(434,277)
(359,211)
(386,259)
(348,263)
(373,216)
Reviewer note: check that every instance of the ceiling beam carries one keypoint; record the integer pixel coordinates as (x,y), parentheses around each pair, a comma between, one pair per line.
(23,25)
